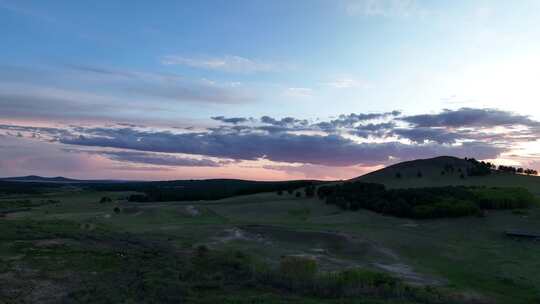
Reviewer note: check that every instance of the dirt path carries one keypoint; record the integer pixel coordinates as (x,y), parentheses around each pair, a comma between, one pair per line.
(333,250)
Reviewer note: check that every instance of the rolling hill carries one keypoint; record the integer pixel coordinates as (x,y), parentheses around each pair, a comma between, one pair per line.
(406,175)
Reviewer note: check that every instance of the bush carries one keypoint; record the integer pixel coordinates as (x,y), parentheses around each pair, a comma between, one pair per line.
(449,208)
(504,198)
(202,251)
(105,199)
(298,267)
(423,203)
(355,282)
(310,191)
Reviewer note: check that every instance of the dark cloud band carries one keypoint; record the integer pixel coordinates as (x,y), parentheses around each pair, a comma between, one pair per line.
(354,139)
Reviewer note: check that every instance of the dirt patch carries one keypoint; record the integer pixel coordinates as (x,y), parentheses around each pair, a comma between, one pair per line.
(50,242)
(237,234)
(328,241)
(192,210)
(410,225)
(338,250)
(406,273)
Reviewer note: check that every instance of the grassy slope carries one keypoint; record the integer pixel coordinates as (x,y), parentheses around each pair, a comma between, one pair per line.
(55,248)
(472,254)
(431,176)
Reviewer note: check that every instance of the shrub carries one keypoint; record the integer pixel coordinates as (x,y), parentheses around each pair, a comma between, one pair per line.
(105,199)
(450,201)
(298,267)
(504,198)
(310,191)
(202,251)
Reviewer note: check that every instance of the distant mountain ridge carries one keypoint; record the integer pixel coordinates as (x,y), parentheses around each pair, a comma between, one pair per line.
(56,179)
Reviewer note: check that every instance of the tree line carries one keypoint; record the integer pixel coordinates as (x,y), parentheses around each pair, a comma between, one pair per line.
(421,203)
(210,189)
(514,170)
(485,168)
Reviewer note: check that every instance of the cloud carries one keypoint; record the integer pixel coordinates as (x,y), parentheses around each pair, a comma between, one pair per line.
(299,92)
(421,135)
(469,117)
(232,120)
(169,86)
(36,131)
(377,130)
(229,63)
(158,159)
(21,156)
(352,120)
(287,121)
(95,92)
(19,100)
(365,139)
(347,83)
(329,150)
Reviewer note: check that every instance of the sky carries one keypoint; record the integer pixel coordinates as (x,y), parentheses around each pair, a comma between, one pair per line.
(266,90)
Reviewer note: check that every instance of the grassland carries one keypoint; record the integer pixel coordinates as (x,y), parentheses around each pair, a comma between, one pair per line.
(63,245)
(432,176)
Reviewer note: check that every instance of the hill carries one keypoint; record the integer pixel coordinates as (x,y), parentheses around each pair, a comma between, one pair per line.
(39,179)
(431,173)
(58,179)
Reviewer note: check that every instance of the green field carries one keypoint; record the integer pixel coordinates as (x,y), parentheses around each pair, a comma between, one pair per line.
(69,247)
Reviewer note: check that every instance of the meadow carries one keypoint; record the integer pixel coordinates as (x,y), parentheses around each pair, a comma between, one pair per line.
(74,243)
(72,247)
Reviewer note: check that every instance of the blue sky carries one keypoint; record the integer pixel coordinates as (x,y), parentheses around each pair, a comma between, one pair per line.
(176,64)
